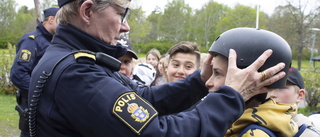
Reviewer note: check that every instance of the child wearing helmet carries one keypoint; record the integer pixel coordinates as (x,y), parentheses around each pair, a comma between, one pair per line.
(249,43)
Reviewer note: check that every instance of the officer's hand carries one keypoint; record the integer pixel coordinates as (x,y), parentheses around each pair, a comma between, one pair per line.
(206,71)
(249,82)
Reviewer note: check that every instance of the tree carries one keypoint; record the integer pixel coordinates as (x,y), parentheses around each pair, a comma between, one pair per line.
(49,3)
(303,19)
(241,16)
(25,21)
(281,22)
(7,16)
(312,85)
(175,22)
(206,20)
(38,10)
(140,26)
(154,18)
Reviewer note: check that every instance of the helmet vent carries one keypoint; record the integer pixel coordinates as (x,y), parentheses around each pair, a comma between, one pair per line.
(241,60)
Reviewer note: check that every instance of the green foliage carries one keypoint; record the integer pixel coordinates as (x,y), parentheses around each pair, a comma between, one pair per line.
(312,85)
(305,54)
(174,24)
(205,31)
(7,58)
(7,14)
(162,46)
(306,111)
(305,64)
(21,23)
(25,22)
(49,3)
(154,18)
(241,16)
(140,27)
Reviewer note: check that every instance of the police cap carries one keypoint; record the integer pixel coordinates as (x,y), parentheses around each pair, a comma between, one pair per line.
(63,2)
(50,12)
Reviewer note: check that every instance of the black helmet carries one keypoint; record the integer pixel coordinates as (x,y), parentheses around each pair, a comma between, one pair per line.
(250,43)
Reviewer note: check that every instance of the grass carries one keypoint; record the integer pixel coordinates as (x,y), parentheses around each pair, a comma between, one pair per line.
(9,116)
(305,64)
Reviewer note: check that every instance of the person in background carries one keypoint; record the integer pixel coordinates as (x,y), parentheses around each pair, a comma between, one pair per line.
(144,74)
(29,51)
(76,90)
(153,58)
(184,59)
(162,67)
(294,93)
(126,60)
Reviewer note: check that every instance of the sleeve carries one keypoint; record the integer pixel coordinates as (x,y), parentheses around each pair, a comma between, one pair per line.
(211,118)
(175,96)
(86,96)
(23,64)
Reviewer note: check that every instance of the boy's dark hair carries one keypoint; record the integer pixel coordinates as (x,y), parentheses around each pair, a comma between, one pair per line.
(186,47)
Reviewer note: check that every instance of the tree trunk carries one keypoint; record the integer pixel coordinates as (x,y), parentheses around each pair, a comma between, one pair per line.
(300,34)
(300,56)
(38,10)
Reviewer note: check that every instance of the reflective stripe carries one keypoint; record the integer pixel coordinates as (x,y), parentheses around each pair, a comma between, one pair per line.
(82,54)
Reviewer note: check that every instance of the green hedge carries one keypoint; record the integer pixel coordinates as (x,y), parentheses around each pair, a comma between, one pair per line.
(162,46)
(7,58)
(312,85)
(143,48)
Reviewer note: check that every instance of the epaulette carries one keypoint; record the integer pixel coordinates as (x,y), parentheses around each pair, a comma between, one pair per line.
(99,58)
(33,36)
(83,54)
(83,57)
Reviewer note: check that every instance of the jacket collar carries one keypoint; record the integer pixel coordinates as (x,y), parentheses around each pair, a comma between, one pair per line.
(44,32)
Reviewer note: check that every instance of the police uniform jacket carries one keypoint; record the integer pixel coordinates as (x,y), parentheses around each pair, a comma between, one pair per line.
(29,50)
(81,97)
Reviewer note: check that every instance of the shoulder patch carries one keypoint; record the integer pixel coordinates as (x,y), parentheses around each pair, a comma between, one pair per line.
(133,111)
(25,55)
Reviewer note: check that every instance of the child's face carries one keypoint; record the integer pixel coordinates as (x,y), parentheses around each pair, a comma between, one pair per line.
(162,64)
(181,65)
(219,72)
(286,95)
(153,60)
(126,65)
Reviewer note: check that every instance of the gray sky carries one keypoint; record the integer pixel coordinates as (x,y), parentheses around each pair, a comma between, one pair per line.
(149,5)
(265,5)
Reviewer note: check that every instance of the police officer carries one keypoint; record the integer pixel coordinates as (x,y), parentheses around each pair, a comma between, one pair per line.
(30,49)
(76,89)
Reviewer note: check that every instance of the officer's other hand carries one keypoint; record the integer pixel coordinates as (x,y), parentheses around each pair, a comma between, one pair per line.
(206,71)
(249,82)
